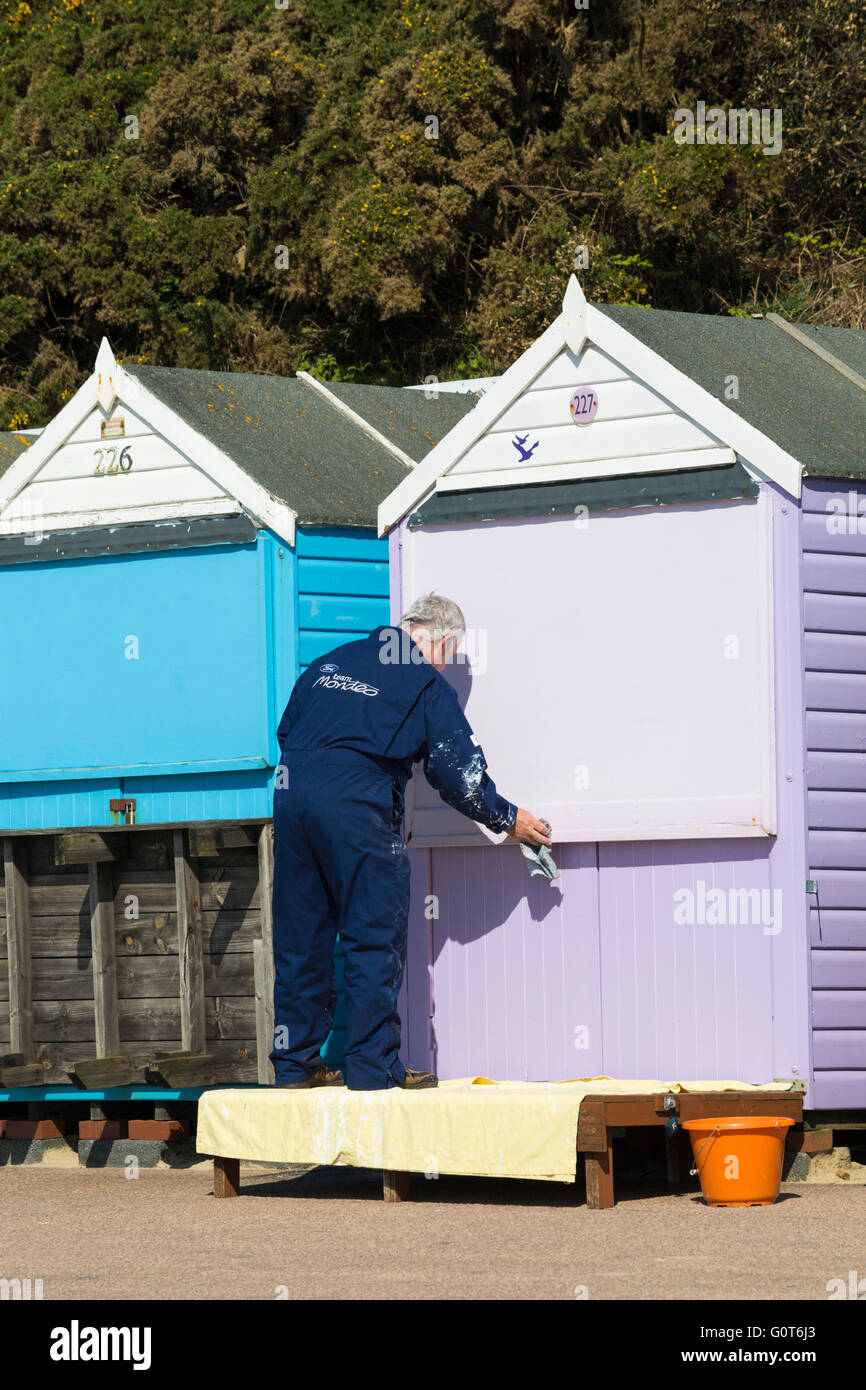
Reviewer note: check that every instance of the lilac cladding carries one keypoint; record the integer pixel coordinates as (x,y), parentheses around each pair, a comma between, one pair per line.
(594,974)
(834,606)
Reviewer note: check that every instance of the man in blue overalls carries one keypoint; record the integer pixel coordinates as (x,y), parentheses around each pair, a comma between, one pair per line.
(356,721)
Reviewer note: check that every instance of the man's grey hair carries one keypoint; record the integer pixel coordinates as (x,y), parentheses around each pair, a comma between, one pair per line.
(441,617)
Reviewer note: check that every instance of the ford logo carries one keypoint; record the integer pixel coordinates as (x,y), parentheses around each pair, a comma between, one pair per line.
(329,667)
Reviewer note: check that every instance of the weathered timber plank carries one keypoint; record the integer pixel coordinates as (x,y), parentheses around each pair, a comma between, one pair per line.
(235,1059)
(264,959)
(19,957)
(94,1073)
(30,1075)
(66,894)
(184,1070)
(57,978)
(137,848)
(211,840)
(105,1016)
(222,887)
(60,978)
(153,934)
(88,847)
(142,1019)
(149,850)
(229,886)
(264,1018)
(230,930)
(230,1016)
(191,973)
(221,933)
(140,977)
(160,827)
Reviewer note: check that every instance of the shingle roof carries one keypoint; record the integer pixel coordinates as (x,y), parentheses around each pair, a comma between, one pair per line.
(297,445)
(801,402)
(11,445)
(407,418)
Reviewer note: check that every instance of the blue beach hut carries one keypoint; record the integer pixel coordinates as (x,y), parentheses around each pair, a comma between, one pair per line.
(175,547)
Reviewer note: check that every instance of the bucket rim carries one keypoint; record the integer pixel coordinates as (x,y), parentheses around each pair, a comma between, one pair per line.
(726,1122)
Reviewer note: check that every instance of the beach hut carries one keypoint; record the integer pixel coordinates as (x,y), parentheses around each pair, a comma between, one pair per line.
(655,523)
(175,547)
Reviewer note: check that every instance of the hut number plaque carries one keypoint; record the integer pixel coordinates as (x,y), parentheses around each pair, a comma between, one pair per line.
(583,405)
(107,460)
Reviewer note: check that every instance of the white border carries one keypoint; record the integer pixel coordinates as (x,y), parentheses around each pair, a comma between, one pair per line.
(573,824)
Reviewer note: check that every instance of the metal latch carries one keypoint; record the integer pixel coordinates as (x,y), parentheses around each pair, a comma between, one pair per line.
(124,806)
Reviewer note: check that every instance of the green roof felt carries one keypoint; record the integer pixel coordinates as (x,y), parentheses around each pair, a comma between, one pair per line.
(301,448)
(800,402)
(848,344)
(11,445)
(407,418)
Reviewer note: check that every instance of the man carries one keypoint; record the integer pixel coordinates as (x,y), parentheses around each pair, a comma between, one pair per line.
(356,721)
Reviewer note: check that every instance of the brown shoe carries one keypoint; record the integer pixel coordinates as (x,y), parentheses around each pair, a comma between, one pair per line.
(419,1080)
(323,1077)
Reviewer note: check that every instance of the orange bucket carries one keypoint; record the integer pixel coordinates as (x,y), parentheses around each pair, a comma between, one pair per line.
(739,1159)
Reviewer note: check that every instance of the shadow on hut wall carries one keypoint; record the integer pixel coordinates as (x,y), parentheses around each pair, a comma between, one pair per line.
(681,885)
(541,896)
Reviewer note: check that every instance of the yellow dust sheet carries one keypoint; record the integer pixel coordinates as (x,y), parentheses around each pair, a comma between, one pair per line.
(473,1126)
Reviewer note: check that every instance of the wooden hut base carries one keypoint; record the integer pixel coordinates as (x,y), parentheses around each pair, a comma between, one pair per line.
(136,950)
(599,1117)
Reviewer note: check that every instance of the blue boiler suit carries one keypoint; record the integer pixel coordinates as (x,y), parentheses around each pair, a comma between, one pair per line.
(356,721)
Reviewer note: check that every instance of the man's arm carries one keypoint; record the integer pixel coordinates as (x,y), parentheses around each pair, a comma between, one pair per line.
(455,765)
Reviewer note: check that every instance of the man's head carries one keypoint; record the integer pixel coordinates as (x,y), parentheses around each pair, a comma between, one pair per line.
(437,625)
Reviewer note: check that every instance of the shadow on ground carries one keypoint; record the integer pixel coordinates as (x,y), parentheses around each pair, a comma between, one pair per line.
(365,1185)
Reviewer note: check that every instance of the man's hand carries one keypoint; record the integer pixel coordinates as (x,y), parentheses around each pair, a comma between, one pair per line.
(529,831)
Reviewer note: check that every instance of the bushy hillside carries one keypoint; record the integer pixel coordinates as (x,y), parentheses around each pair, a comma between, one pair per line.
(240,186)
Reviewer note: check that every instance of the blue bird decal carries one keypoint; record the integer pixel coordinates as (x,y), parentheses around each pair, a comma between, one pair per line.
(518,441)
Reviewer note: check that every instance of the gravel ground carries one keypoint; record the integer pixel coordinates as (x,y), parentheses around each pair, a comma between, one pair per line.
(328,1235)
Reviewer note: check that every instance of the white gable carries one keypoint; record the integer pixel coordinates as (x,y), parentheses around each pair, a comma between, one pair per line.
(80,472)
(650,417)
(634,429)
(139,471)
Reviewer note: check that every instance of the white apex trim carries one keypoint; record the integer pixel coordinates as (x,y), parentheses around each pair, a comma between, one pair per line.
(469,430)
(106,375)
(574,307)
(357,419)
(54,435)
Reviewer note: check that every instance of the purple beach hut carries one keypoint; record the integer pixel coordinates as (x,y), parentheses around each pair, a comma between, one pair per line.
(655,524)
